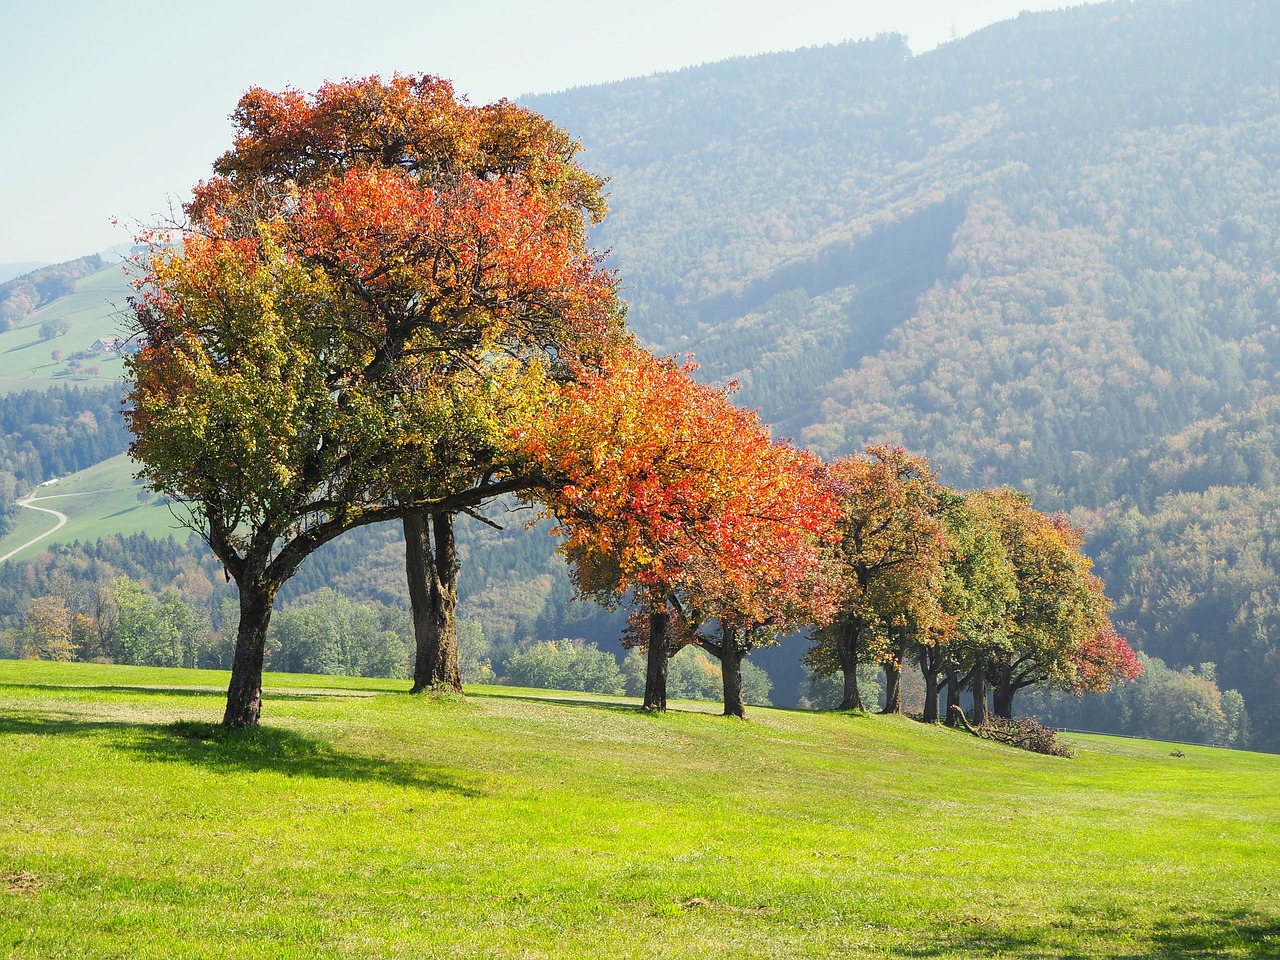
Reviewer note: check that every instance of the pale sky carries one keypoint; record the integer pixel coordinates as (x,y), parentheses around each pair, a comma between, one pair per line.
(111,109)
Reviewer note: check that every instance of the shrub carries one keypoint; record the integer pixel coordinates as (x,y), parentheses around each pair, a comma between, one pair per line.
(1025,734)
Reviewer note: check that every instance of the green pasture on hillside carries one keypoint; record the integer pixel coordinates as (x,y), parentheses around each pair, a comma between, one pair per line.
(95,310)
(360,821)
(98,502)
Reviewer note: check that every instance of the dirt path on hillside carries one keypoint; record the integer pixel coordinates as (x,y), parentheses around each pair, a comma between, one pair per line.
(28,502)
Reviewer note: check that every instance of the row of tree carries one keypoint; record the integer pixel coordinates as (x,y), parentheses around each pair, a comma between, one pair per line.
(384,306)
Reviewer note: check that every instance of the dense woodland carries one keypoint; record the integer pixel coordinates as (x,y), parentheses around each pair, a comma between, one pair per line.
(1044,256)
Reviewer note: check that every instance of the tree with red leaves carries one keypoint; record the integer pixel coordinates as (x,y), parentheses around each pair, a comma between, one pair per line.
(665,491)
(1058,631)
(1102,660)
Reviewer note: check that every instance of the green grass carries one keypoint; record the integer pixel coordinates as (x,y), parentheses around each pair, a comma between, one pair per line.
(94,309)
(100,501)
(360,821)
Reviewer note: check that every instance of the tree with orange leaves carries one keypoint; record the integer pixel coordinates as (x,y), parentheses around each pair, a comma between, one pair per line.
(663,490)
(393,278)
(730,605)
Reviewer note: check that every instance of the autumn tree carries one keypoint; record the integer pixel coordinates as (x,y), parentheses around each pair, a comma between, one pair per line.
(48,634)
(731,604)
(978,589)
(886,562)
(1058,622)
(664,491)
(395,178)
(1103,660)
(373,290)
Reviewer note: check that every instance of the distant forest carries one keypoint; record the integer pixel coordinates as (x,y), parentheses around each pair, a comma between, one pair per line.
(1045,256)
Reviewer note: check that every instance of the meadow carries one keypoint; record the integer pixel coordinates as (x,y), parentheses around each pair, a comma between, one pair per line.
(361,821)
(103,500)
(96,309)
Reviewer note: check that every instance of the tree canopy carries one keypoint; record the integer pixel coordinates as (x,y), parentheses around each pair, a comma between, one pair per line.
(373,289)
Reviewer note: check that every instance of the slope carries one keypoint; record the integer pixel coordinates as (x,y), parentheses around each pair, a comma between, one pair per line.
(360,821)
(102,500)
(93,310)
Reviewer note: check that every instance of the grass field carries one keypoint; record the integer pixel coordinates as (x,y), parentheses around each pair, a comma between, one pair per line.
(360,821)
(99,501)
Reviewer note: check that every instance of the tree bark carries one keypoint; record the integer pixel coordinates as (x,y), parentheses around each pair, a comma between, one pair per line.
(892,688)
(978,684)
(929,670)
(433,600)
(655,677)
(1002,697)
(731,656)
(244,694)
(847,648)
(893,674)
(954,683)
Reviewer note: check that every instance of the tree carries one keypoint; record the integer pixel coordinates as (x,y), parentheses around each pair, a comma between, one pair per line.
(776,584)
(1058,624)
(54,327)
(143,635)
(566,665)
(48,630)
(978,588)
(664,491)
(334,346)
(885,564)
(450,231)
(1102,660)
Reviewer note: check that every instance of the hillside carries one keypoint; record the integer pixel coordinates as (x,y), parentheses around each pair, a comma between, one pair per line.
(64,308)
(520,825)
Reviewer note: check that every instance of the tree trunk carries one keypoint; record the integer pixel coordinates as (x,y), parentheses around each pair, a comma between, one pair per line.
(433,600)
(954,683)
(244,694)
(655,677)
(979,686)
(893,674)
(929,670)
(892,688)
(731,655)
(847,648)
(1002,697)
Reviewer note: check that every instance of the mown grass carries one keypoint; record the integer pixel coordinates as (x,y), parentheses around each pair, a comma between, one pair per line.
(360,821)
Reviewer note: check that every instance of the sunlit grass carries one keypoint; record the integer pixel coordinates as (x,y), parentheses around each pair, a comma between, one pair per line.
(360,821)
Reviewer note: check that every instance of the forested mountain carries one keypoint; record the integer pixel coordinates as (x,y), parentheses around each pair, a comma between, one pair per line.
(1046,255)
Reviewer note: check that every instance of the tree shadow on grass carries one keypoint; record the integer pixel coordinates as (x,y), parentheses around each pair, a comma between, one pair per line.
(248,750)
(1240,933)
(321,693)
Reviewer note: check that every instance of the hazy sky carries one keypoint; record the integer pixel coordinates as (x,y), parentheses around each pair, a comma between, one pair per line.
(116,109)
